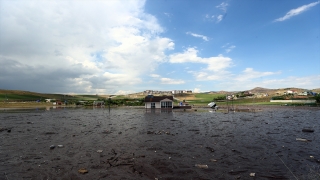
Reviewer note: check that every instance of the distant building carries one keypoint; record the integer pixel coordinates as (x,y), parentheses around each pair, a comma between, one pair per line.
(49,100)
(58,103)
(156,102)
(181,91)
(98,103)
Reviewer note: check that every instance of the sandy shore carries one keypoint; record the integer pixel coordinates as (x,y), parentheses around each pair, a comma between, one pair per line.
(129,143)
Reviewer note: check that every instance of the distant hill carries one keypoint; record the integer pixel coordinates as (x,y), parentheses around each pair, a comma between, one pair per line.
(263,90)
(18,95)
(317,90)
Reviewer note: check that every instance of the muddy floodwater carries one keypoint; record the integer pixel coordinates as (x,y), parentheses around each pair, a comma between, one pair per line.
(127,143)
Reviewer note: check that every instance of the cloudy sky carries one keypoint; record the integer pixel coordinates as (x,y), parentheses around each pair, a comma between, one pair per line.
(116,47)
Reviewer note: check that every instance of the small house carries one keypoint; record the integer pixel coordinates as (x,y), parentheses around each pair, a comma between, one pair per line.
(153,102)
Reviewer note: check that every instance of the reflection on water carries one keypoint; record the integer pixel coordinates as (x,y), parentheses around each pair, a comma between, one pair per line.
(158,111)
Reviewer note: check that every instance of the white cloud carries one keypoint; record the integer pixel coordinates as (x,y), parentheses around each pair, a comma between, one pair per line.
(167,80)
(230,48)
(217,63)
(209,17)
(223,6)
(86,46)
(214,18)
(171,81)
(225,45)
(272,83)
(219,18)
(207,75)
(249,74)
(216,68)
(196,90)
(198,35)
(167,14)
(247,79)
(297,11)
(155,75)
(308,82)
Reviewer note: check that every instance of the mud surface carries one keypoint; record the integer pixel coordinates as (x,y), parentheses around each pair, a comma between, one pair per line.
(139,144)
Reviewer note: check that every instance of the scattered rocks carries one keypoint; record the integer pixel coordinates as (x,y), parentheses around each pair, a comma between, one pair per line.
(52,146)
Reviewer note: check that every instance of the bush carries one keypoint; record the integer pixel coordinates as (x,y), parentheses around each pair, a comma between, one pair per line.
(219,98)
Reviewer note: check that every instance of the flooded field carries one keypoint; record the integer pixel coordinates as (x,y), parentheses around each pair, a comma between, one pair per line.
(123,143)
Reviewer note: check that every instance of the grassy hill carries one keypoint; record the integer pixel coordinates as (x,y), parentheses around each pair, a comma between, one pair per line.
(17,95)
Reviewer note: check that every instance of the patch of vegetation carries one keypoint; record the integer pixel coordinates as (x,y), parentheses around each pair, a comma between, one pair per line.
(317,98)
(278,98)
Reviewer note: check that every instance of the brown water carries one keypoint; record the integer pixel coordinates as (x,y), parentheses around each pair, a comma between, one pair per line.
(140,144)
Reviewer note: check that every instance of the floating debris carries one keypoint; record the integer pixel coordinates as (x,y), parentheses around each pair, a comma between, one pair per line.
(202,166)
(50,133)
(99,151)
(307,130)
(60,146)
(302,139)
(52,146)
(252,174)
(82,171)
(210,149)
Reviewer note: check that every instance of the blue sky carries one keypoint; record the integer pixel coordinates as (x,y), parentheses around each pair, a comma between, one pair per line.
(120,47)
